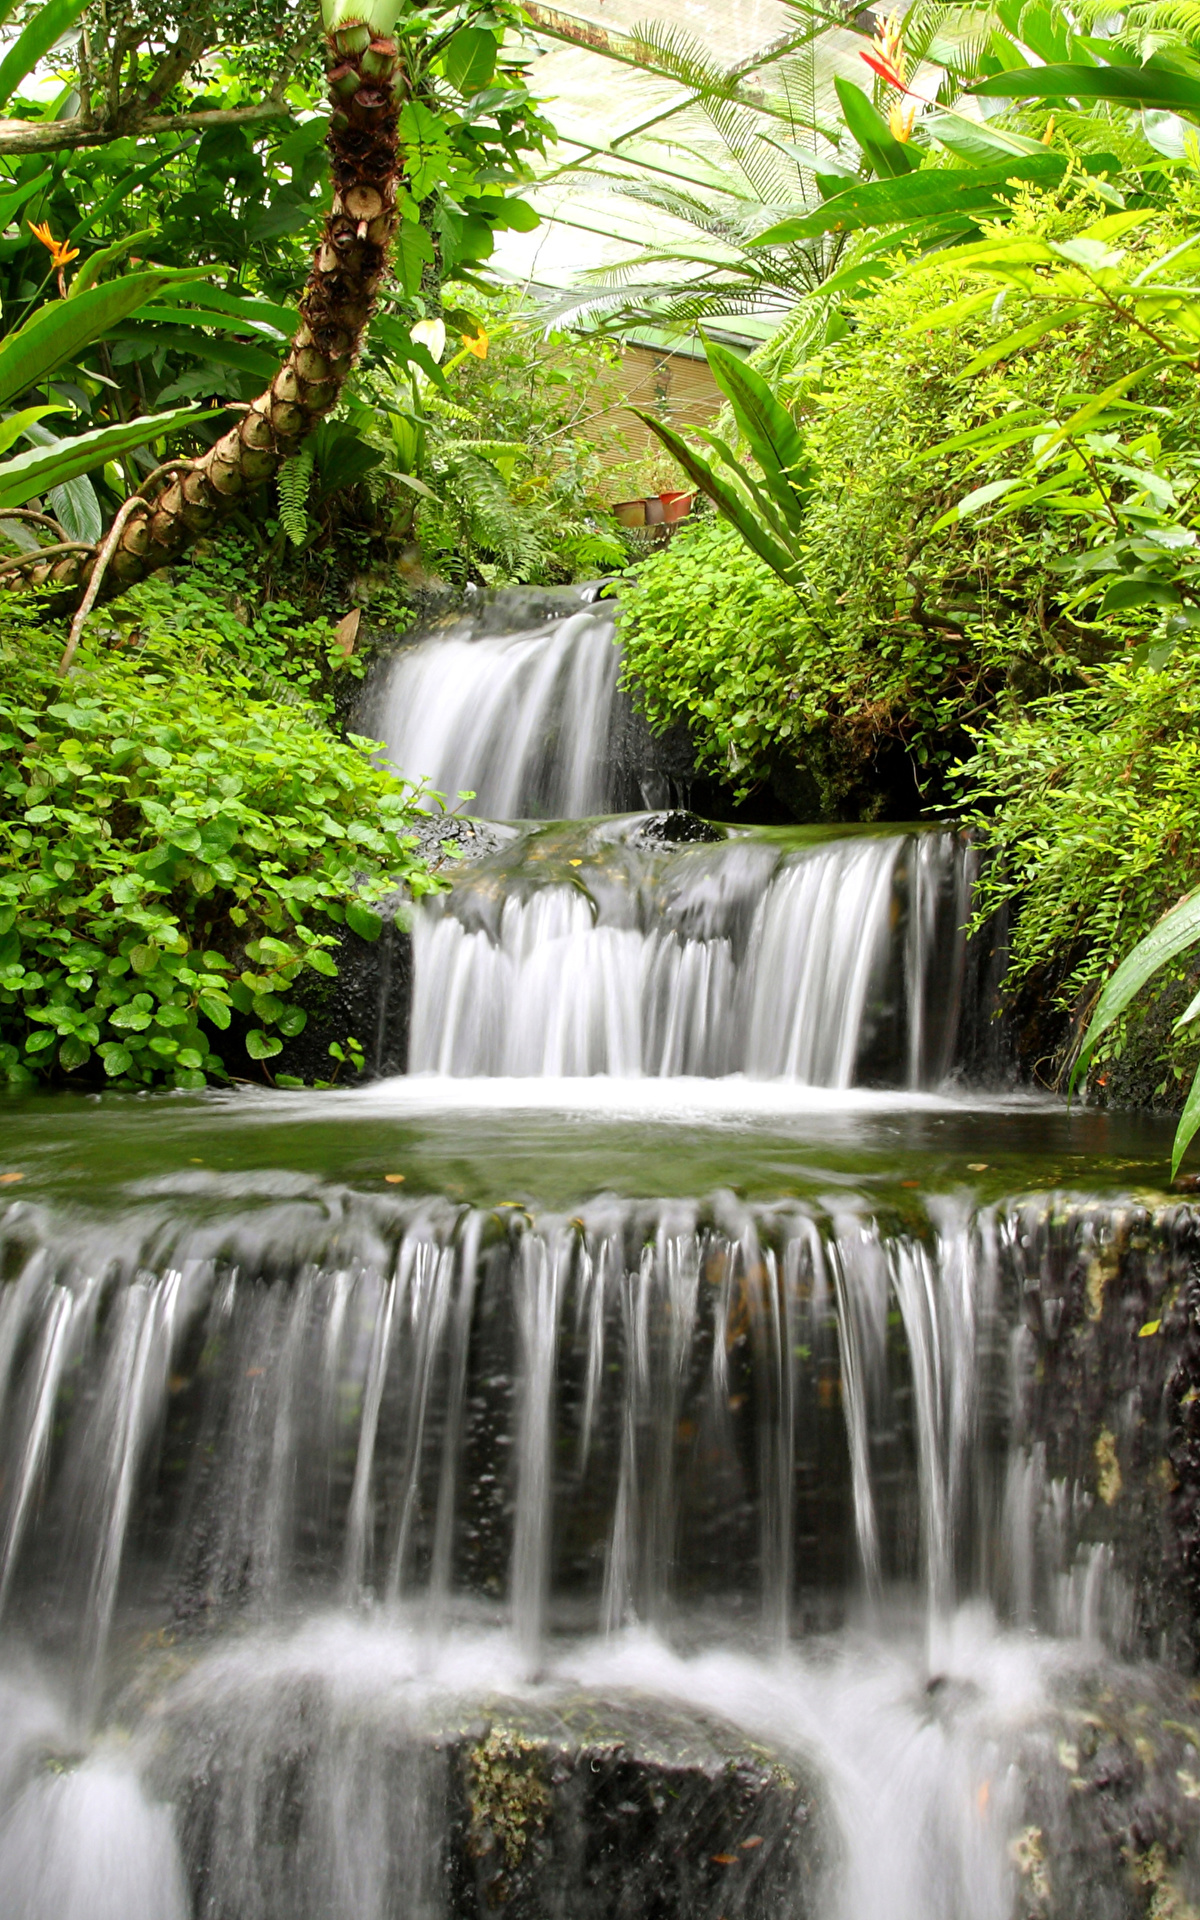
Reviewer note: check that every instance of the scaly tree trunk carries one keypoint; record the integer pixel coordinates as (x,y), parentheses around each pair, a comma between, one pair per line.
(367,88)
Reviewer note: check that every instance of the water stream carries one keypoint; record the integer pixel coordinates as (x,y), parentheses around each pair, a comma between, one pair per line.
(689,1449)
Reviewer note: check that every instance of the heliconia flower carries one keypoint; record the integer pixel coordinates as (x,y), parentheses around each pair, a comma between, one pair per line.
(900,123)
(59,251)
(888,58)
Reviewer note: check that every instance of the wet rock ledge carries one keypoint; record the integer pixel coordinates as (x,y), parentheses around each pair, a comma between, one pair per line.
(570,1810)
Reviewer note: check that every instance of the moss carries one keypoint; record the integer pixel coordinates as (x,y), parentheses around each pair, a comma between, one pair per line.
(508,1793)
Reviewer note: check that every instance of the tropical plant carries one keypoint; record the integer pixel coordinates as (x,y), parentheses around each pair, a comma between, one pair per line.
(182,843)
(438,181)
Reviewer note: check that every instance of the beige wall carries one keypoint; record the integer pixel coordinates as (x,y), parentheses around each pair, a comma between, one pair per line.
(676,386)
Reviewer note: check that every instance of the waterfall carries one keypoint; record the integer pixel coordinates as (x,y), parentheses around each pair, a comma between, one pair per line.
(520,718)
(834,963)
(651,1385)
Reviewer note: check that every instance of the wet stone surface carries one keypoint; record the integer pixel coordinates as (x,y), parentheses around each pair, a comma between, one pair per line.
(565,1810)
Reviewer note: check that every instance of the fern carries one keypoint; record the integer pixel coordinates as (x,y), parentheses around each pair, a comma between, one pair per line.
(294,481)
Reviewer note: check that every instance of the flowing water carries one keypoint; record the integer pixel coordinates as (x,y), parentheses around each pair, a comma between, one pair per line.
(686,1449)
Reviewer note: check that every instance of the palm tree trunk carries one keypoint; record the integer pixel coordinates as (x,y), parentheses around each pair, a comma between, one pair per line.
(366,87)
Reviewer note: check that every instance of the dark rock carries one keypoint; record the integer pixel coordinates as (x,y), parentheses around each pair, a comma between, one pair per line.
(1111,1810)
(558,1808)
(675,828)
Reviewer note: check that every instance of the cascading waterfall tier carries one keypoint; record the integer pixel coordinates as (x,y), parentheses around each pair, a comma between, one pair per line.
(607,950)
(514,703)
(603,1418)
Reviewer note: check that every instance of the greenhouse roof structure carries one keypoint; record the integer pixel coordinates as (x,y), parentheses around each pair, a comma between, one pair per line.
(633,130)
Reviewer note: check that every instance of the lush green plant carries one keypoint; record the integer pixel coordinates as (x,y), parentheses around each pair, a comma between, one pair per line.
(1087,803)
(179,852)
(908,622)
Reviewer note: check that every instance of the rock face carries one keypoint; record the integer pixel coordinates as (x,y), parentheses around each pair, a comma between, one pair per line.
(1111,1814)
(569,1810)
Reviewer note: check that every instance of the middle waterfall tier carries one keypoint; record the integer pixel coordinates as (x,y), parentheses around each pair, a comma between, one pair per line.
(609,948)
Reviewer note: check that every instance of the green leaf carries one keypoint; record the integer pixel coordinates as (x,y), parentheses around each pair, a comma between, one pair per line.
(322,962)
(363,922)
(116,1059)
(74,1053)
(98,263)
(145,959)
(737,510)
(19,423)
(215,1010)
(262,1046)
(1174,934)
(292,1021)
(1127,84)
(469,60)
(61,329)
(917,196)
(46,26)
(886,154)
(45,467)
(129,1019)
(774,438)
(1189,1122)
(412,253)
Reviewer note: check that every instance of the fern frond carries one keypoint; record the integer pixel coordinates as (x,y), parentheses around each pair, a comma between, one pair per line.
(293,483)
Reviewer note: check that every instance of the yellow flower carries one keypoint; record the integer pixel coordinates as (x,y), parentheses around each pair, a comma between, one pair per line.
(890,40)
(900,124)
(59,251)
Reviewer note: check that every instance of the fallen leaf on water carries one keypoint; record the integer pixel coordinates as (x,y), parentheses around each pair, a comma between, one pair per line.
(574,863)
(393,1179)
(977,1166)
(910,1183)
(983,1796)
(1151,1326)
(255,1373)
(755,1840)
(8,1179)
(725,1859)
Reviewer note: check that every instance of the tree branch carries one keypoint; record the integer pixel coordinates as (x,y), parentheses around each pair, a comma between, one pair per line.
(36,136)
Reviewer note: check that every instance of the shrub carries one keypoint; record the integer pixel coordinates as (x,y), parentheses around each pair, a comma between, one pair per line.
(176,850)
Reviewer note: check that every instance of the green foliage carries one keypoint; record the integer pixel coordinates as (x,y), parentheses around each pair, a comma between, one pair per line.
(1088,804)
(491,468)
(908,622)
(710,635)
(177,853)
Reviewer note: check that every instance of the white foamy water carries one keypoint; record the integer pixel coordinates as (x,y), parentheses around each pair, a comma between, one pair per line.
(831,965)
(520,719)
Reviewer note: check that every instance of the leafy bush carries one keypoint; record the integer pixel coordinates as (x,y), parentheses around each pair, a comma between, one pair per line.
(177,852)
(1088,800)
(898,636)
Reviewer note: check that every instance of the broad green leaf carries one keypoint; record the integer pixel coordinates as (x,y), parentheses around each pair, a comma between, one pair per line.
(773,436)
(975,140)
(917,196)
(886,154)
(262,1046)
(44,29)
(1174,934)
(19,423)
(360,920)
(61,329)
(11,203)
(972,502)
(1051,321)
(469,60)
(757,536)
(45,467)
(1127,85)
(98,264)
(1189,1122)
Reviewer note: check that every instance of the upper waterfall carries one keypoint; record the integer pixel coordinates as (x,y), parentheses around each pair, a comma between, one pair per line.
(513,702)
(602,949)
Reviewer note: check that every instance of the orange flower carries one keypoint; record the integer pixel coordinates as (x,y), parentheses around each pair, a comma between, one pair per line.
(59,251)
(900,123)
(476,343)
(888,58)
